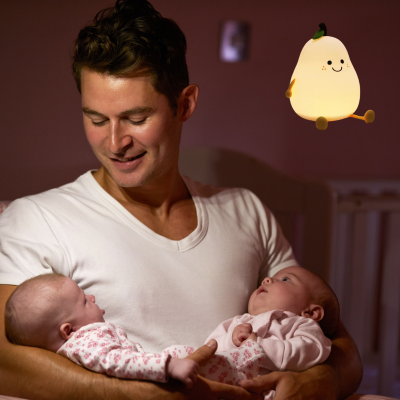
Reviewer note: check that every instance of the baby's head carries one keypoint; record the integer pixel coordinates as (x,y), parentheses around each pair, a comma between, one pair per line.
(300,291)
(44,311)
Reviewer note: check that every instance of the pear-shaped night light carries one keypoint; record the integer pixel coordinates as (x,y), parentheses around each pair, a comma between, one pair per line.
(324,85)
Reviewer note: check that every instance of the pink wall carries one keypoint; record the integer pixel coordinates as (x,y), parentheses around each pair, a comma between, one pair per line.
(242,106)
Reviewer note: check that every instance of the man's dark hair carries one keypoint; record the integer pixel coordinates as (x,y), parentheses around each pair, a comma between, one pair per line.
(130,36)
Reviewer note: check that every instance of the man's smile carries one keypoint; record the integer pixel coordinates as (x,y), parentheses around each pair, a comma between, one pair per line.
(128,159)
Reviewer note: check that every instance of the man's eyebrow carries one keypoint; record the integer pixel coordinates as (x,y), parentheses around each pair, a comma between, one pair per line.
(134,110)
(137,110)
(89,111)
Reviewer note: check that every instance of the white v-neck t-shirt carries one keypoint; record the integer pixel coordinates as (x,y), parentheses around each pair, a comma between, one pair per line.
(161,291)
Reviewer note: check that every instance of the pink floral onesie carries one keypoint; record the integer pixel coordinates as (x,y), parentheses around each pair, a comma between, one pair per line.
(104,347)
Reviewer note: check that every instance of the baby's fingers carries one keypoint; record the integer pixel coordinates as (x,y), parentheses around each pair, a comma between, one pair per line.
(190,380)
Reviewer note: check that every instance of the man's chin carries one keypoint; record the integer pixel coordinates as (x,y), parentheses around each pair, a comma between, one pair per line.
(126,179)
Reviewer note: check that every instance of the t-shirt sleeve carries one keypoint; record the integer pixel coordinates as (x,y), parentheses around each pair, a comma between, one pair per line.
(28,246)
(278,252)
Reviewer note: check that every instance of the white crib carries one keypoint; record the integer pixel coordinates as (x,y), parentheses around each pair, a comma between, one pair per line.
(366,243)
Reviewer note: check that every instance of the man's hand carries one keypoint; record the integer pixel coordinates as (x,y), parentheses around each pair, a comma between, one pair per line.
(294,385)
(204,389)
(241,333)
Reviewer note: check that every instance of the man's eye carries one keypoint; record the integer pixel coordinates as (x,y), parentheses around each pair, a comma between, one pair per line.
(142,121)
(98,123)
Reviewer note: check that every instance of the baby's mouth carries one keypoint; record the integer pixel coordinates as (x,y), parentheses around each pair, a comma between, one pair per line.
(261,289)
(339,69)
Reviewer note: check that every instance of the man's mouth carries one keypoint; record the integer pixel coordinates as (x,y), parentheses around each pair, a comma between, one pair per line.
(339,69)
(125,160)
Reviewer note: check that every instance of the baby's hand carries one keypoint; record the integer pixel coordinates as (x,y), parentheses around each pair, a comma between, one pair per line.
(241,333)
(252,336)
(183,370)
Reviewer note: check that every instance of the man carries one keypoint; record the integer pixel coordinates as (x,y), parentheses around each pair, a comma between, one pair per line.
(161,253)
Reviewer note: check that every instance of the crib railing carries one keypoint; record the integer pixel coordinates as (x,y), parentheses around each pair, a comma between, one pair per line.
(365,272)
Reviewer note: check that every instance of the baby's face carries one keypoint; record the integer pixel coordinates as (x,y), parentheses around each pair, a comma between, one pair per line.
(288,290)
(80,309)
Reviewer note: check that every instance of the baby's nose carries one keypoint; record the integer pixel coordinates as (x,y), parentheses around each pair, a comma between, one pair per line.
(91,298)
(267,281)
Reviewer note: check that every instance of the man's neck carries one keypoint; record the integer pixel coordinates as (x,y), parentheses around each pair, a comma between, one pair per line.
(157,196)
(164,206)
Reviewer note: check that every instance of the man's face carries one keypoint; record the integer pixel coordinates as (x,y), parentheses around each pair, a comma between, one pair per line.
(288,290)
(79,309)
(130,127)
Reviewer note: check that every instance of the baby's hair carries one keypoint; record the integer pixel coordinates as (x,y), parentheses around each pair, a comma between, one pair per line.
(327,299)
(29,306)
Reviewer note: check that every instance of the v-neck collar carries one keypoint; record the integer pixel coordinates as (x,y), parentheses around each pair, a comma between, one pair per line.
(121,212)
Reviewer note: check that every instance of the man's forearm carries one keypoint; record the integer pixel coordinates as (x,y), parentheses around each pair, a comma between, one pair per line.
(345,361)
(43,375)
(33,373)
(341,373)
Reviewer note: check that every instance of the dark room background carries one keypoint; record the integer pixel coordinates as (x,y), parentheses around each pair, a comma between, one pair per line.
(241,106)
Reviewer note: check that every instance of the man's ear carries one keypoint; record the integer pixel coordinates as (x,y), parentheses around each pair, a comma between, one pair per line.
(66,331)
(187,102)
(314,312)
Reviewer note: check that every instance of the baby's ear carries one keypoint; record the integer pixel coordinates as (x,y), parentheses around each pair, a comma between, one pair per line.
(66,331)
(314,312)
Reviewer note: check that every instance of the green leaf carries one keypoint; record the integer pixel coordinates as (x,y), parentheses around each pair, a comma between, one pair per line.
(318,34)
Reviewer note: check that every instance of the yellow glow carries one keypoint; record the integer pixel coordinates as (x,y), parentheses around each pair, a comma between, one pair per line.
(323,90)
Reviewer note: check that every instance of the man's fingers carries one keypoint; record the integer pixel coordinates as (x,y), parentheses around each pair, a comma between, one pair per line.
(204,353)
(261,383)
(230,392)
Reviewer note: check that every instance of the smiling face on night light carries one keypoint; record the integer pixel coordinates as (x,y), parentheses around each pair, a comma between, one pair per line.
(326,81)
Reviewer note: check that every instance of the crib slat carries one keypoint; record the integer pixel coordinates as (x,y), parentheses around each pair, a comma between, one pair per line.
(363,278)
(341,264)
(390,308)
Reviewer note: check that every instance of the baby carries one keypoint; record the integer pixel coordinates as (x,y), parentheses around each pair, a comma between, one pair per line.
(291,316)
(50,311)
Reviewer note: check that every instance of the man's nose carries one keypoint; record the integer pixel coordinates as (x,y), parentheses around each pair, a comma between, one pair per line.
(91,298)
(119,137)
